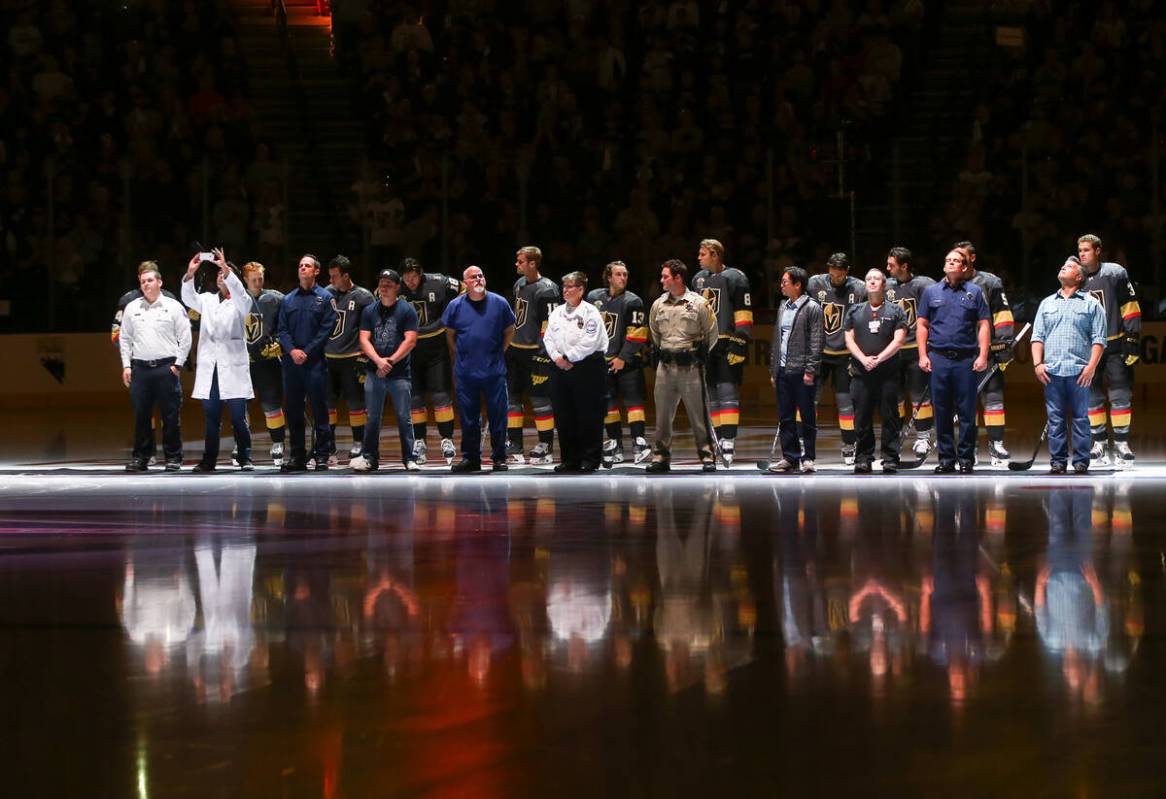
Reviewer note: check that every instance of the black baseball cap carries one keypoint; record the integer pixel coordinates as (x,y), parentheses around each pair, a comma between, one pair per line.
(389,274)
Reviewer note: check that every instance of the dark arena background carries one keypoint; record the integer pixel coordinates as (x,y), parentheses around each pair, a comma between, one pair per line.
(529,633)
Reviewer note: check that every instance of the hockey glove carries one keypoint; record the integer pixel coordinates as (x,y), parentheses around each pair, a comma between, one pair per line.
(1002,354)
(1131,346)
(272,350)
(738,351)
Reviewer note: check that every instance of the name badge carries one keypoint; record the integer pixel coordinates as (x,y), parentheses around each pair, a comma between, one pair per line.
(874,325)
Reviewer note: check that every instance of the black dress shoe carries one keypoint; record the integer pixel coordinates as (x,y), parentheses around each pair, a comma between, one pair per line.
(862,468)
(589,468)
(658,467)
(321,466)
(967,468)
(293,467)
(203,467)
(890,467)
(566,468)
(137,466)
(500,466)
(708,466)
(467,465)
(945,468)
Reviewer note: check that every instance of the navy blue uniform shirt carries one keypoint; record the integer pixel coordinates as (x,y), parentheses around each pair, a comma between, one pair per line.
(306,320)
(388,327)
(479,327)
(953,314)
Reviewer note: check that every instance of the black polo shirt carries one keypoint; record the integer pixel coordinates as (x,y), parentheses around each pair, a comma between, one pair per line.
(875,329)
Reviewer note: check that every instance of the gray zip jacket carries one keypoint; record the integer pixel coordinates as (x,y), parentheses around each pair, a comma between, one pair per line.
(806,337)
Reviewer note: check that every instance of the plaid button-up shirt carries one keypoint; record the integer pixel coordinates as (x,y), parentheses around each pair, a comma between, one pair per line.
(1068,327)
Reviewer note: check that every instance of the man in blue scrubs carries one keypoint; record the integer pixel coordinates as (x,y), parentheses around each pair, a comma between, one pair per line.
(954,334)
(306,320)
(479,326)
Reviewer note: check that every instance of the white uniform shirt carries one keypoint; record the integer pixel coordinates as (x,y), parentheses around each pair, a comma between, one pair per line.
(575,333)
(153,331)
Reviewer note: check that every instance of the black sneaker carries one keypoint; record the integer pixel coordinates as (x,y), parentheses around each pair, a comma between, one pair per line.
(945,468)
(137,466)
(466,465)
(203,467)
(890,467)
(500,466)
(246,465)
(658,467)
(1056,468)
(293,467)
(862,468)
(322,466)
(708,466)
(967,468)
(1081,467)
(174,466)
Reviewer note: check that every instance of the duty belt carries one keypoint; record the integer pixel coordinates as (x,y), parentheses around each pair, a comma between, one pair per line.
(679,357)
(955,355)
(154,364)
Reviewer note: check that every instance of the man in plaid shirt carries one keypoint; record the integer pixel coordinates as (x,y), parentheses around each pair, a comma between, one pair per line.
(1068,338)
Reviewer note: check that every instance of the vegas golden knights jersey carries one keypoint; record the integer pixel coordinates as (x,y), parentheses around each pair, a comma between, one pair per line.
(532,303)
(906,296)
(835,302)
(259,326)
(1002,324)
(626,322)
(727,292)
(434,292)
(1112,287)
(345,338)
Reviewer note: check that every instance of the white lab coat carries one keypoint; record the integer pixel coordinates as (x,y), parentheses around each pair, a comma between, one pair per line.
(221,341)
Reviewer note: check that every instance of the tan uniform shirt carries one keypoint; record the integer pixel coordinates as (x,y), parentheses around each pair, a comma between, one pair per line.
(682,323)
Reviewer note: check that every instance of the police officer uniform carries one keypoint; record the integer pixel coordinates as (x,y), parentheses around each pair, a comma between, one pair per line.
(627,337)
(728,293)
(347,366)
(912,379)
(953,315)
(431,366)
(1112,287)
(578,335)
(529,369)
(683,329)
(263,352)
(152,338)
(835,302)
(874,329)
(306,320)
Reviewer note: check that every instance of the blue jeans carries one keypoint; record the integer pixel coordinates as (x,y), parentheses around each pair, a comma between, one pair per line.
(401,390)
(213,409)
(1064,397)
(793,396)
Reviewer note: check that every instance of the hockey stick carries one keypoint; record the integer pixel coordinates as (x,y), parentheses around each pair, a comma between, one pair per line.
(763,465)
(910,426)
(708,419)
(1026,465)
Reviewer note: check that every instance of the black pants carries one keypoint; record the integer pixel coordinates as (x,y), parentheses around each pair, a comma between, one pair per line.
(150,386)
(577,399)
(309,381)
(869,390)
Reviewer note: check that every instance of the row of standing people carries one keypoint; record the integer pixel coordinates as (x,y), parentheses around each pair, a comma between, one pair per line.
(343,359)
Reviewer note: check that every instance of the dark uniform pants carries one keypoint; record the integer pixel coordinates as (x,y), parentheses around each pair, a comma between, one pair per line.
(308,381)
(953,393)
(150,385)
(869,390)
(577,399)
(469,405)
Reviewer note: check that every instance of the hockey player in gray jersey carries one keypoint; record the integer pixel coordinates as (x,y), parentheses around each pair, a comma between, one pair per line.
(1111,285)
(836,291)
(527,365)
(992,396)
(264,352)
(727,290)
(626,321)
(904,289)
(429,293)
(347,366)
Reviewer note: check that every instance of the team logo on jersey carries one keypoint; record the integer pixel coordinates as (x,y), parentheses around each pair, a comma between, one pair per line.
(422,312)
(1099,295)
(609,320)
(821,297)
(520,306)
(909,306)
(713,298)
(336,331)
(891,296)
(832,315)
(253,327)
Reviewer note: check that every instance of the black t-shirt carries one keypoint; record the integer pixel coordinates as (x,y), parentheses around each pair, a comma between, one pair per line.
(388,327)
(875,329)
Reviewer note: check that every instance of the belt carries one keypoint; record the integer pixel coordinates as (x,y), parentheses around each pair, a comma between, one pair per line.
(956,355)
(154,364)
(679,357)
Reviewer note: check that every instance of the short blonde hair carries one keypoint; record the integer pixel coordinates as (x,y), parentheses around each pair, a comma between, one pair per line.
(253,266)
(149,266)
(712,245)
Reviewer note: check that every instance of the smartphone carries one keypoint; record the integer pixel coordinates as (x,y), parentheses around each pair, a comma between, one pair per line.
(206,256)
